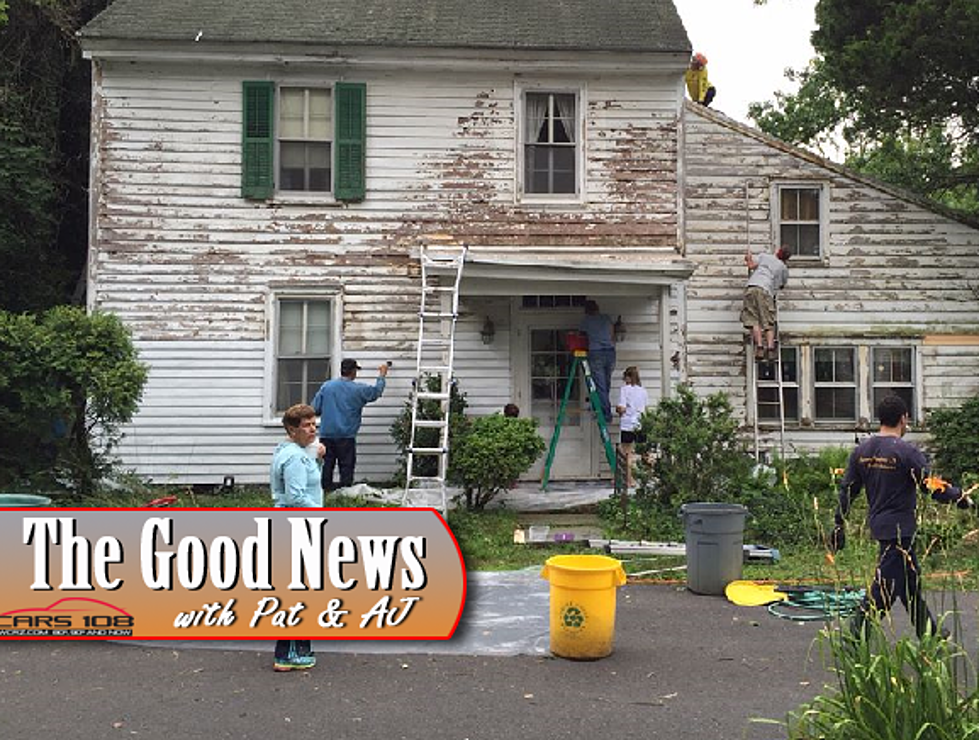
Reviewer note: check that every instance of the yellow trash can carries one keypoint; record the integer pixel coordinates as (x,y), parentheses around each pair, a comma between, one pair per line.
(582,620)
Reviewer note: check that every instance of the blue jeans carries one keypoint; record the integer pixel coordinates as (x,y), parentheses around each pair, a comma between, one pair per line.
(602,363)
(340,453)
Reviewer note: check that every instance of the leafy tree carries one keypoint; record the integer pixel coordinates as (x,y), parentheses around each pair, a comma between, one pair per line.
(67,382)
(45,104)
(898,80)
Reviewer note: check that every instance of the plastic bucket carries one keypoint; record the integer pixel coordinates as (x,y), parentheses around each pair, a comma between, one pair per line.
(582,619)
(715,545)
(10,500)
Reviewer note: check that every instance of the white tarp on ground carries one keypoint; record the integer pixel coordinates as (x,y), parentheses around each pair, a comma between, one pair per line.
(525,497)
(506,613)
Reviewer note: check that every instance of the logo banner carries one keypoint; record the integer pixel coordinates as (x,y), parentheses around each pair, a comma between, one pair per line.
(183,573)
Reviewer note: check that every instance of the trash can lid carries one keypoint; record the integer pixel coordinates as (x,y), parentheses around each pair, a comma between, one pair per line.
(9,500)
(712,507)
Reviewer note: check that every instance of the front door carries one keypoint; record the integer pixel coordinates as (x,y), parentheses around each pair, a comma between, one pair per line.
(546,363)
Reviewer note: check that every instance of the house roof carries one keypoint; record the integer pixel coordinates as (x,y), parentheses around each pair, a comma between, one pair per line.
(582,25)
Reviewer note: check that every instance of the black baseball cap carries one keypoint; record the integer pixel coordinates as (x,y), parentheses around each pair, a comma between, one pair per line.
(348,366)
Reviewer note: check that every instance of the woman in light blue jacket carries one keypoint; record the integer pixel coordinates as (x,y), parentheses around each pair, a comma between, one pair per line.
(295,479)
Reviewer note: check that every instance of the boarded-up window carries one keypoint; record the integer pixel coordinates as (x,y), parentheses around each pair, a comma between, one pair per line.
(550,143)
(302,349)
(799,220)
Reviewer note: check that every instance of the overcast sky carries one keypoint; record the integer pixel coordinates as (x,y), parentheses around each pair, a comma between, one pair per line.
(748,47)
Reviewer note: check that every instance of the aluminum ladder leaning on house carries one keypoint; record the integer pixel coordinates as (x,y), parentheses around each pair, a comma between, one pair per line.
(437,317)
(781,393)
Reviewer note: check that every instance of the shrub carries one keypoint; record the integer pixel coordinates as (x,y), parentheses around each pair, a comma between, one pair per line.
(694,452)
(954,438)
(68,381)
(429,409)
(797,505)
(493,454)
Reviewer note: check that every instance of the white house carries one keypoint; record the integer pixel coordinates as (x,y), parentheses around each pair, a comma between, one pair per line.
(263,176)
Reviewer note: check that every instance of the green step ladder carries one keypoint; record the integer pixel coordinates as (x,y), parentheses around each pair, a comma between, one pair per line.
(580,359)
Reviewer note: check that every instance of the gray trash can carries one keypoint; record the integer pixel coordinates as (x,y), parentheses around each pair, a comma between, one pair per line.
(26,500)
(715,545)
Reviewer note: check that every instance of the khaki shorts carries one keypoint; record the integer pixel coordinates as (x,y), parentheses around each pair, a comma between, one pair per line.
(759,309)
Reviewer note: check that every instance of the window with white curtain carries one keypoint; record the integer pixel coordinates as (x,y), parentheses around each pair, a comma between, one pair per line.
(550,140)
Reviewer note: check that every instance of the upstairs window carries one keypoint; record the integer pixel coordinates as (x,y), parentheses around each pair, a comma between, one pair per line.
(799,223)
(550,143)
(305,135)
(303,140)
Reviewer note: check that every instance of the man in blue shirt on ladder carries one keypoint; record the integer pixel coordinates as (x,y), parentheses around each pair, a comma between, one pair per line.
(601,352)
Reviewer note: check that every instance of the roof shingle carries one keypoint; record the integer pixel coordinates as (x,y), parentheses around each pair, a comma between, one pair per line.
(585,25)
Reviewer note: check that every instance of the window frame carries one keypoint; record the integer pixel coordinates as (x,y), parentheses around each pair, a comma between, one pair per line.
(261,150)
(796,385)
(521,143)
(273,311)
(873,384)
(837,384)
(279,139)
(778,188)
(864,383)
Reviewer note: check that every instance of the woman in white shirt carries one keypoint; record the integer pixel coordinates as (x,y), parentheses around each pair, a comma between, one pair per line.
(632,402)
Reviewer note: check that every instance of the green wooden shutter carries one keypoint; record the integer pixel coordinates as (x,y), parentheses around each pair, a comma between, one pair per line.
(258,142)
(351,140)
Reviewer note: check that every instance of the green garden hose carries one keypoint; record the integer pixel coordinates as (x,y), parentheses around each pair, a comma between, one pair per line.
(814,604)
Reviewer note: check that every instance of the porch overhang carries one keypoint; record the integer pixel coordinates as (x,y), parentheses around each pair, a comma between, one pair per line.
(622,273)
(648,272)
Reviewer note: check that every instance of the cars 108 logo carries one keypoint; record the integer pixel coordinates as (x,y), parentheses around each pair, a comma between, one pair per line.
(68,617)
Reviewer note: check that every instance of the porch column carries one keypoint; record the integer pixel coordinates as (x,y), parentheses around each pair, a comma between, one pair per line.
(665,343)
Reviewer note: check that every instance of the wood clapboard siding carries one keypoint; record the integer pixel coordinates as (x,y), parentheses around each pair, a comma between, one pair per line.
(189,265)
(892,268)
(203,414)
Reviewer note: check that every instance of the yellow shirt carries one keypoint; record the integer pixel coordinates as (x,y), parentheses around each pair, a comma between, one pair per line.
(697,83)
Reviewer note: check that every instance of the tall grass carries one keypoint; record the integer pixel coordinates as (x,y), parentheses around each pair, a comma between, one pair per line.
(890,689)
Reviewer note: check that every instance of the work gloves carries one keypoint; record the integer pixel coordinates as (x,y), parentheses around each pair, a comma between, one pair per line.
(837,538)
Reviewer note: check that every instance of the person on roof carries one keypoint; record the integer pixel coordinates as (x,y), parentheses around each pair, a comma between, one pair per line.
(698,86)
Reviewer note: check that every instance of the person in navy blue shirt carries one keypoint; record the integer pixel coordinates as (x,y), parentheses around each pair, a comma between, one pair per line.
(340,403)
(892,471)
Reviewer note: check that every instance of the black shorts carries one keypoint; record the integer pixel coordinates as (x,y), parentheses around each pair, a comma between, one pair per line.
(629,438)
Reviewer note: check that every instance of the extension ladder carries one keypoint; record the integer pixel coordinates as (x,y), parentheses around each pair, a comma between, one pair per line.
(781,393)
(580,359)
(437,316)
